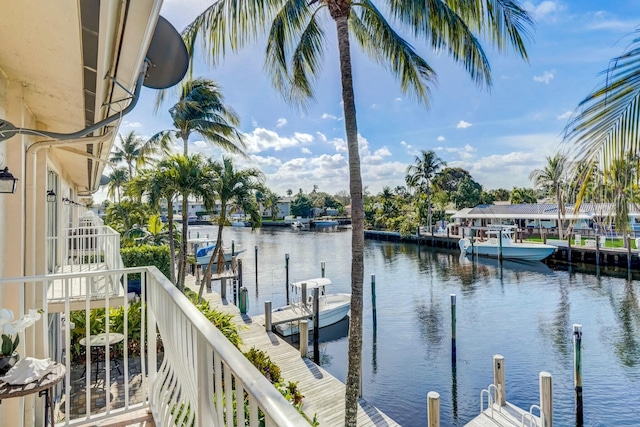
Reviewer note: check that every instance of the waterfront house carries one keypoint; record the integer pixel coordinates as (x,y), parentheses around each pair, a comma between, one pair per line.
(69,72)
(591,218)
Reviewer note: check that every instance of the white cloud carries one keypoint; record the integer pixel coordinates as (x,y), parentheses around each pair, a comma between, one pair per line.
(305,150)
(398,99)
(545,78)
(264,139)
(329,116)
(405,145)
(322,136)
(463,125)
(254,123)
(565,115)
(281,122)
(545,11)
(132,125)
(440,138)
(200,143)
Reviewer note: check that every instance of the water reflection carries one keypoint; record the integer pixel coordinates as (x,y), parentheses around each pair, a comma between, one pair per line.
(628,312)
(559,329)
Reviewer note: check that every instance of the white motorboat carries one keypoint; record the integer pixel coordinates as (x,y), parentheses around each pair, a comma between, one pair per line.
(203,254)
(325,223)
(333,307)
(298,224)
(500,241)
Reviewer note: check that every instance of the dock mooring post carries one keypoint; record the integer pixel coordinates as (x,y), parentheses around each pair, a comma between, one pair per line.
(233,247)
(316,326)
(577,372)
(303,294)
(453,328)
(629,254)
(286,269)
(569,249)
(597,250)
(267,316)
(256,251)
(223,288)
(244,300)
(322,265)
(304,338)
(498,379)
(433,409)
(546,399)
(500,244)
(373,301)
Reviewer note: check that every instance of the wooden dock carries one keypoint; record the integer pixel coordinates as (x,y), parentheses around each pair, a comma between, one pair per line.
(324,394)
(508,415)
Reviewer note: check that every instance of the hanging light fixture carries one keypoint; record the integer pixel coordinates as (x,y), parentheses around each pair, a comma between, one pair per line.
(7,181)
(51,196)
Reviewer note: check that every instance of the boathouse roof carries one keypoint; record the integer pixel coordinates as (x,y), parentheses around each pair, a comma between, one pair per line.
(540,211)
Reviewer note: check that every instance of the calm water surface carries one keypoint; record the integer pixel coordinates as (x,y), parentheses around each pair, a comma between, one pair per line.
(524,312)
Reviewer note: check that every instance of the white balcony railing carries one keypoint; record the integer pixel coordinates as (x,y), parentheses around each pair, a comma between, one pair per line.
(91,246)
(173,362)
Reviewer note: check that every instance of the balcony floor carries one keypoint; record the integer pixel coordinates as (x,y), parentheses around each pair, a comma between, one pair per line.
(98,395)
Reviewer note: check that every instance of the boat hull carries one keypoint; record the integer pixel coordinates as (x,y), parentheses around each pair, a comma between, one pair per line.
(525,252)
(204,260)
(335,308)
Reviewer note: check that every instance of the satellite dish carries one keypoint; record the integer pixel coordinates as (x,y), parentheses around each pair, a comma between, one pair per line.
(168,56)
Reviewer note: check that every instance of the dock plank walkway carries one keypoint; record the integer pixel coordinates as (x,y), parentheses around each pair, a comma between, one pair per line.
(507,416)
(324,394)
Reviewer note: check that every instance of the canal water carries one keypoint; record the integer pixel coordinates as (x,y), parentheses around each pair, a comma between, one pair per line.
(523,311)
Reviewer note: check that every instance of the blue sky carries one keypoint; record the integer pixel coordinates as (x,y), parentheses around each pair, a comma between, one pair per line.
(499,135)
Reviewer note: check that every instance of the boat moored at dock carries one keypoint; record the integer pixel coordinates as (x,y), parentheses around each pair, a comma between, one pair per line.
(501,244)
(333,307)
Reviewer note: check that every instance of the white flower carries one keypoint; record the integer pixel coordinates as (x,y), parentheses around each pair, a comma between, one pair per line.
(6,316)
(22,324)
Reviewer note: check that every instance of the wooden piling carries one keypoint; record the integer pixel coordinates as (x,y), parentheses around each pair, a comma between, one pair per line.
(223,288)
(577,372)
(629,254)
(500,244)
(303,294)
(498,379)
(373,301)
(322,265)
(233,247)
(267,316)
(304,338)
(453,328)
(597,250)
(569,249)
(240,272)
(286,269)
(433,409)
(256,252)
(316,326)
(546,399)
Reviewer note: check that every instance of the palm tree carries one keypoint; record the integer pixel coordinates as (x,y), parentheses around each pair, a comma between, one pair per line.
(117,180)
(201,110)
(420,175)
(551,180)
(271,202)
(190,176)
(620,179)
(133,150)
(158,184)
(229,185)
(295,47)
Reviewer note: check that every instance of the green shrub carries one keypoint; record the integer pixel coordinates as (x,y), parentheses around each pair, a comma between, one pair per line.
(140,256)
(263,363)
(223,321)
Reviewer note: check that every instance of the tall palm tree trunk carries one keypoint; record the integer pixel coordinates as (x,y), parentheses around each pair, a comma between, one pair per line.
(341,15)
(172,243)
(185,142)
(218,251)
(182,267)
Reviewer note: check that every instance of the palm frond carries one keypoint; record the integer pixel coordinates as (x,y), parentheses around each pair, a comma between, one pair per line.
(607,124)
(384,45)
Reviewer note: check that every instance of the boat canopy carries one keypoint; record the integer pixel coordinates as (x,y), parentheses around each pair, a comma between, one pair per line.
(312,283)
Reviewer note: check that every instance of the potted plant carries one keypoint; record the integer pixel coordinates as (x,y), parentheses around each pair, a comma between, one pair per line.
(9,328)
